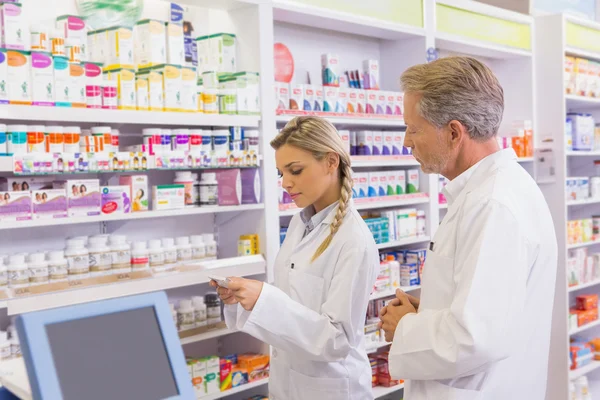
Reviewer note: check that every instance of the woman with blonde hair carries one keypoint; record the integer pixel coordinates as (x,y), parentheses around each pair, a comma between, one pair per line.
(314,314)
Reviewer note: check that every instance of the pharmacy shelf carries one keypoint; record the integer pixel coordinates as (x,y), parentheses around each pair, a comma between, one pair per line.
(207,335)
(350,121)
(319,17)
(371,203)
(461,45)
(383,161)
(584,285)
(592,366)
(380,391)
(582,202)
(575,52)
(443,206)
(403,242)
(585,327)
(130,216)
(583,153)
(375,349)
(110,117)
(391,293)
(237,266)
(574,102)
(585,244)
(525,159)
(239,389)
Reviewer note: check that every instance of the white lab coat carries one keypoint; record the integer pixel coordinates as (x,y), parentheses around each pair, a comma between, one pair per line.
(314,314)
(482,331)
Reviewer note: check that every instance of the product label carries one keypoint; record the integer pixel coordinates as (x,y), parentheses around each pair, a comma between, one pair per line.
(170,256)
(138,263)
(38,275)
(58,272)
(184,254)
(198,252)
(214,312)
(78,264)
(3,278)
(100,262)
(157,259)
(19,277)
(121,259)
(35,142)
(209,195)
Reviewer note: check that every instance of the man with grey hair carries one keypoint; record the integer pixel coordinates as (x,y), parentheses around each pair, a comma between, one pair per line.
(481,329)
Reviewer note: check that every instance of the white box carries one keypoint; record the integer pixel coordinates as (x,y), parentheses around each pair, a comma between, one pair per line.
(371,101)
(3,77)
(377,143)
(383,175)
(401,182)
(282,95)
(217,53)
(361,103)
(171,75)
(63,91)
(213,369)
(371,74)
(150,43)
(330,64)
(19,76)
(83,196)
(412,181)
(381,102)
(343,94)
(296,97)
(168,197)
(364,143)
(189,100)
(407,223)
(319,98)
(198,375)
(77,85)
(138,185)
(392,182)
(581,80)
(74,30)
(309,97)
(141,92)
(399,103)
(42,79)
(388,143)
(362,182)
(26,183)
(12,24)
(330,99)
(49,204)
(120,48)
(125,79)
(154,77)
(345,135)
(353,101)
(373,189)
(175,47)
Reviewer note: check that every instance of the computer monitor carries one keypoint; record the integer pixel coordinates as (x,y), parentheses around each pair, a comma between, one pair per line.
(125,348)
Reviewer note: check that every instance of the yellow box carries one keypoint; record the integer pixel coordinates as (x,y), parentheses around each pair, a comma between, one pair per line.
(156,95)
(120,48)
(125,79)
(189,94)
(171,79)
(141,92)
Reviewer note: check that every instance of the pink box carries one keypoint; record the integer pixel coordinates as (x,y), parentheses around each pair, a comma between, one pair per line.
(15,206)
(251,187)
(49,204)
(230,187)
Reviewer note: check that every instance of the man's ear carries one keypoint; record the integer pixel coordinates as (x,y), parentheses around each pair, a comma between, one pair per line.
(458,132)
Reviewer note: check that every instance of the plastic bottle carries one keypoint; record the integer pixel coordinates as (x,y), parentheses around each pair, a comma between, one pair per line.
(221,141)
(213,308)
(195,141)
(18,273)
(156,256)
(139,257)
(209,189)
(39,38)
(165,140)
(71,138)
(120,254)
(200,316)
(185,315)
(17,139)
(152,140)
(78,259)
(186,179)
(15,346)
(174,314)
(196,191)
(211,245)
(100,256)
(38,269)
(57,266)
(170,253)
(253,141)
(184,249)
(54,139)
(5,352)
(181,139)
(198,247)
(99,133)
(36,139)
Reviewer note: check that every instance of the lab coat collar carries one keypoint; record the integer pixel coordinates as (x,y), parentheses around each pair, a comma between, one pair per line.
(456,186)
(312,220)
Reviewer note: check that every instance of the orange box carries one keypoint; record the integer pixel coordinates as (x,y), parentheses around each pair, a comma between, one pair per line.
(595,343)
(586,316)
(257,366)
(587,302)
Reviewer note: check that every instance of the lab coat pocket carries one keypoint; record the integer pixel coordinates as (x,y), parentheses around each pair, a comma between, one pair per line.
(437,281)
(307,289)
(304,387)
(439,391)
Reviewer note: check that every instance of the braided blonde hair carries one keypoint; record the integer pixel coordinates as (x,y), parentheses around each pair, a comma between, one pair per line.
(319,137)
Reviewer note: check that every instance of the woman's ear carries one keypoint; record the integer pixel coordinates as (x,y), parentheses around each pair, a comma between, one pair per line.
(333,161)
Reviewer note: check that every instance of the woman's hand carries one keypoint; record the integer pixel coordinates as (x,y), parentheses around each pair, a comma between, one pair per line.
(245,291)
(225,294)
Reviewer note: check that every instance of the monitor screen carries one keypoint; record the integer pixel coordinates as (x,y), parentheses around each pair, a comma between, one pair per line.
(113,356)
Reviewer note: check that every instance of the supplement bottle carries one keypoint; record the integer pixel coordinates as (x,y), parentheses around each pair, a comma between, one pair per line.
(54,139)
(213,308)
(5,352)
(221,141)
(156,256)
(3,140)
(57,266)
(17,139)
(100,256)
(78,259)
(196,191)
(184,249)
(210,101)
(200,316)
(181,139)
(186,179)
(38,269)
(18,272)
(170,253)
(36,139)
(120,254)
(139,257)
(195,141)
(209,189)
(185,315)
(152,141)
(252,136)
(99,134)
(165,140)
(198,247)
(211,245)
(71,138)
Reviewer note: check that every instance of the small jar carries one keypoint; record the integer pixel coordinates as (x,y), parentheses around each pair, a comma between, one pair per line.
(184,249)
(36,139)
(18,272)
(16,139)
(170,253)
(227,101)
(78,259)
(5,353)
(185,315)
(152,140)
(139,257)
(195,141)
(54,138)
(156,256)
(186,179)
(165,140)
(57,266)
(253,140)
(120,253)
(213,308)
(198,247)
(100,134)
(200,316)
(196,190)
(100,256)
(71,139)
(210,102)
(209,189)
(211,245)
(38,269)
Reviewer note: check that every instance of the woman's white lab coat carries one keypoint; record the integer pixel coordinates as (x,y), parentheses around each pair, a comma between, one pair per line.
(314,314)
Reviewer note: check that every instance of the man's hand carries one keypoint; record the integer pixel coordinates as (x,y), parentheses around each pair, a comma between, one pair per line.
(245,291)
(225,294)
(392,313)
(413,300)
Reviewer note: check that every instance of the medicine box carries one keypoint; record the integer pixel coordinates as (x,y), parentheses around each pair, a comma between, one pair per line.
(364,143)
(3,77)
(189,101)
(399,103)
(400,181)
(226,374)
(319,98)
(171,82)
(138,189)
(230,187)
(412,181)
(282,95)
(392,182)
(63,90)
(154,78)
(83,196)
(569,75)
(217,53)
(381,102)
(390,102)
(25,183)
(150,43)
(141,92)
(12,25)
(371,74)
(342,101)
(213,373)
(309,97)
(330,99)
(115,200)
(382,191)
(251,187)
(49,204)
(406,223)
(362,101)
(296,97)
(248,92)
(125,79)
(352,101)
(73,29)
(15,206)
(93,84)
(175,47)
(19,76)
(120,48)
(387,143)
(373,190)
(77,85)
(581,73)
(168,197)
(198,376)
(361,184)
(377,143)
(42,79)
(329,68)
(582,131)
(372,98)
